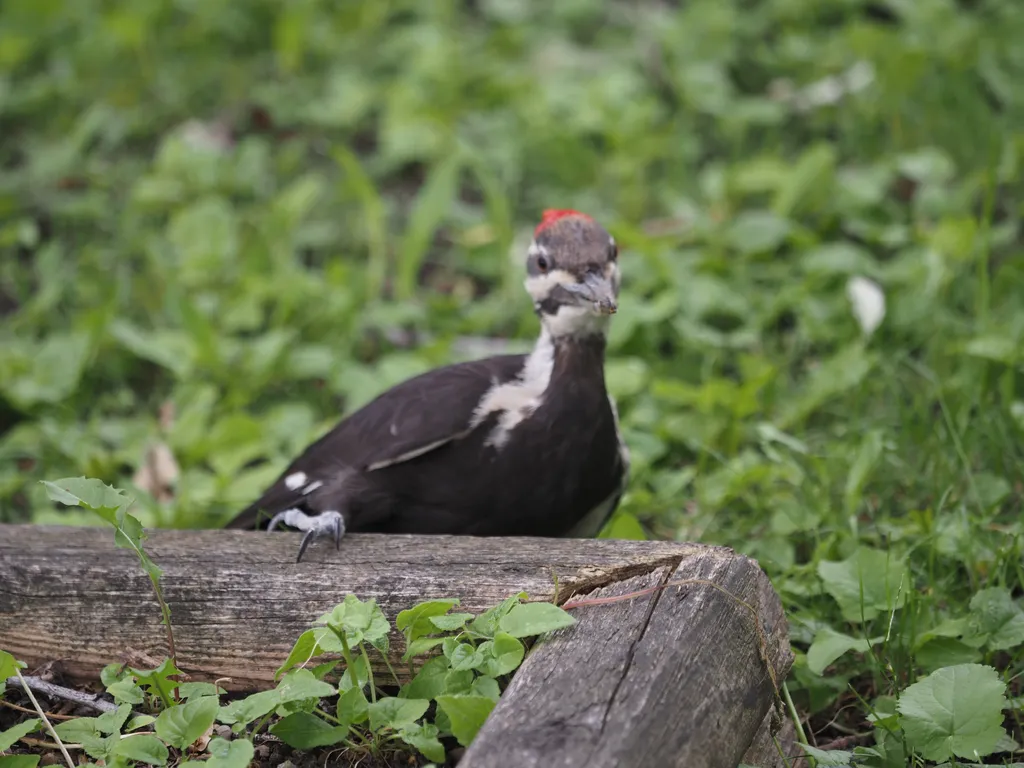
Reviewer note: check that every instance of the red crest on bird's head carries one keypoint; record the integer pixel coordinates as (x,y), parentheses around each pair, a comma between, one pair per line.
(551,215)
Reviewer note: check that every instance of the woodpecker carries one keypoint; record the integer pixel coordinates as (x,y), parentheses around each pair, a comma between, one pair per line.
(512,445)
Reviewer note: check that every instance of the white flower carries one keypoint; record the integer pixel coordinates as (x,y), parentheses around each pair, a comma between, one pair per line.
(868,302)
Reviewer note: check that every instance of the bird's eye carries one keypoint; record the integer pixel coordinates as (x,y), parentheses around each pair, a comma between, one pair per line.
(613,252)
(542,264)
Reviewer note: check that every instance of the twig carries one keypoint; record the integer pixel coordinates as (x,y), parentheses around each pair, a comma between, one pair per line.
(46,744)
(70,694)
(53,715)
(42,714)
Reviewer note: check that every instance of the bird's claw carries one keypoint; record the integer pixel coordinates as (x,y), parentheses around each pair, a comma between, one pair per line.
(328,523)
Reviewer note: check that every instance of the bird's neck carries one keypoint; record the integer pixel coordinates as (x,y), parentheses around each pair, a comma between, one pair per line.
(567,359)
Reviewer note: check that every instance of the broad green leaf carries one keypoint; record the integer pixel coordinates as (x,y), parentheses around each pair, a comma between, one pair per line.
(466,714)
(157,682)
(139,721)
(867,583)
(181,725)
(502,655)
(225,754)
(15,732)
(754,232)
(424,738)
(829,645)
(996,620)
(297,685)
(529,619)
(305,648)
(9,666)
(360,620)
(420,646)
(835,758)
(353,708)
(113,722)
(465,656)
(302,730)
(19,761)
(142,748)
(415,622)
(125,691)
(486,686)
(77,730)
(194,690)
(451,622)
(954,711)
(429,680)
(486,624)
(624,526)
(391,712)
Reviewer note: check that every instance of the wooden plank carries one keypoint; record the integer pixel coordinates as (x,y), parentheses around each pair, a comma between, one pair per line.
(673,678)
(238,599)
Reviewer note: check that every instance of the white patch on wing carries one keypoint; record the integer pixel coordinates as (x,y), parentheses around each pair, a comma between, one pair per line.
(409,455)
(295,480)
(313,486)
(517,399)
(591,523)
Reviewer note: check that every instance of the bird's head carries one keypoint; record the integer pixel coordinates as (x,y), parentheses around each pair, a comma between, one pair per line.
(572,274)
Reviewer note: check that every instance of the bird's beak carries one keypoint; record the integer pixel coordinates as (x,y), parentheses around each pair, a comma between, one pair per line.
(595,290)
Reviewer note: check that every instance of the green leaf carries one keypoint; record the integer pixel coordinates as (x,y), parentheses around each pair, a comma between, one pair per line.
(297,685)
(225,754)
(829,645)
(302,730)
(624,526)
(996,620)
(305,648)
(15,732)
(415,622)
(465,656)
(451,622)
(194,690)
(142,748)
(487,623)
(157,682)
(466,714)
(486,686)
(954,711)
(502,655)
(360,620)
(353,708)
(391,712)
(19,761)
(835,758)
(77,730)
(112,506)
(429,681)
(125,691)
(867,583)
(139,721)
(9,666)
(754,232)
(424,738)
(860,471)
(529,619)
(113,722)
(180,726)
(421,645)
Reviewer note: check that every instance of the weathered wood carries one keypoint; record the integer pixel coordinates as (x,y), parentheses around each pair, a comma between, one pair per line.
(238,599)
(674,677)
(678,677)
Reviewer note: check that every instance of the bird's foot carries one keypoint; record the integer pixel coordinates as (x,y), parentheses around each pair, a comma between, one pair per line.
(328,523)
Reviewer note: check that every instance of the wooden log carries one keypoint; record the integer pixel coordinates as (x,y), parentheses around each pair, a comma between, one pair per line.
(678,676)
(683,676)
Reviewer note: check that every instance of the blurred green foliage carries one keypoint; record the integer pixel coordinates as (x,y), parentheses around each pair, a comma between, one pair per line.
(265,213)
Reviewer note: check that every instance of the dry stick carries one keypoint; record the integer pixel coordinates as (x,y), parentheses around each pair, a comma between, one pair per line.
(70,694)
(52,715)
(42,714)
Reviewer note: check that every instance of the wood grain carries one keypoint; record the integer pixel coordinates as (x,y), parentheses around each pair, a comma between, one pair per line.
(677,677)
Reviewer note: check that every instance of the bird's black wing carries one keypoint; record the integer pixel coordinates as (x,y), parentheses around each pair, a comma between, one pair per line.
(409,420)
